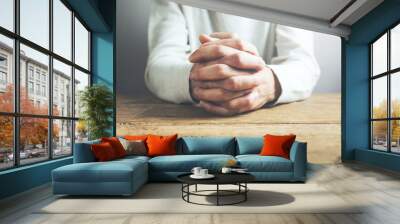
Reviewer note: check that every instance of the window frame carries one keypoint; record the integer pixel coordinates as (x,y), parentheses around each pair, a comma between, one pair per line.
(388,74)
(16,115)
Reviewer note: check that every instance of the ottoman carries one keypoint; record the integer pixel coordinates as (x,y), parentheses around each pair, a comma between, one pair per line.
(119,177)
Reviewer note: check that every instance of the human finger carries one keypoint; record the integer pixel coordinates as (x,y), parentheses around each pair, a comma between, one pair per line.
(216,94)
(216,72)
(211,52)
(236,43)
(224,35)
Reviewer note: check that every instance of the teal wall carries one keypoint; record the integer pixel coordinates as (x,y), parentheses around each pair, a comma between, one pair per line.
(24,178)
(103,52)
(356,100)
(103,64)
(99,15)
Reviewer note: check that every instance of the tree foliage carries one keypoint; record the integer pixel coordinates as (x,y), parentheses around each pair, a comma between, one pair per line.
(97,102)
(380,127)
(33,131)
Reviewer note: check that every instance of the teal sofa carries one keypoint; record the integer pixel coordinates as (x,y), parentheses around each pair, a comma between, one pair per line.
(125,176)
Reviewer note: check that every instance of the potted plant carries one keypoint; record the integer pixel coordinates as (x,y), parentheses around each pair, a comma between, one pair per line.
(96,102)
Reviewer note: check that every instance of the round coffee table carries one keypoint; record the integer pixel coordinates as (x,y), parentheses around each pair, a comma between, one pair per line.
(238,179)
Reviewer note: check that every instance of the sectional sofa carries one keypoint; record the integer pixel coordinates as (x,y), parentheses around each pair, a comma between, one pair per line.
(125,176)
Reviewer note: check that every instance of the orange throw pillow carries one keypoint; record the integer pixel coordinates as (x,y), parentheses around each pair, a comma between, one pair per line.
(277,145)
(103,152)
(116,145)
(135,137)
(161,145)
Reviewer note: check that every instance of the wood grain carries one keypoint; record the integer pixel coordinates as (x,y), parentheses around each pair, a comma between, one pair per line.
(315,121)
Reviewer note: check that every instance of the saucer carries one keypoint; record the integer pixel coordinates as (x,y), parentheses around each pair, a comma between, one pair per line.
(208,176)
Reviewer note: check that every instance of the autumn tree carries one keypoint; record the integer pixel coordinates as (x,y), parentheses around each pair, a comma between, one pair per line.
(6,122)
(33,131)
(380,127)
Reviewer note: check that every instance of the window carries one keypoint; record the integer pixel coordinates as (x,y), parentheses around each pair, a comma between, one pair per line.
(3,61)
(34,21)
(6,73)
(62,140)
(3,72)
(38,74)
(81,45)
(3,78)
(44,91)
(30,72)
(6,142)
(7,14)
(385,91)
(81,81)
(62,74)
(37,89)
(44,120)
(62,30)
(30,88)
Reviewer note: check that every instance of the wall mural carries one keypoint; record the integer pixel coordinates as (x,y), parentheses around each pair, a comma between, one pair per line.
(214,74)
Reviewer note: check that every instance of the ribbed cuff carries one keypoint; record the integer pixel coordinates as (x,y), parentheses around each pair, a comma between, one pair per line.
(283,75)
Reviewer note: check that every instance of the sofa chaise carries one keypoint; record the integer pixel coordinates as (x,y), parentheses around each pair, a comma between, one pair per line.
(125,176)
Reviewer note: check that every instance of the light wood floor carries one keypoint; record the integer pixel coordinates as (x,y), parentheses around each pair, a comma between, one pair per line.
(379,189)
(315,121)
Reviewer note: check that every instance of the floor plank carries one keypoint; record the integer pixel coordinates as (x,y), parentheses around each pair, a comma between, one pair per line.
(377,189)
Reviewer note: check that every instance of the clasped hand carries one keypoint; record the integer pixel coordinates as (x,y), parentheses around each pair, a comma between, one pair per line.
(229,77)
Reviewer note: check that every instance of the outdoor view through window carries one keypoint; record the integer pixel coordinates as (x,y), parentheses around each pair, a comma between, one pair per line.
(40,82)
(385,82)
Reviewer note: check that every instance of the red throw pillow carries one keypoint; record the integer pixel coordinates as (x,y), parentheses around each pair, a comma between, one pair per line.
(161,145)
(116,145)
(103,152)
(275,145)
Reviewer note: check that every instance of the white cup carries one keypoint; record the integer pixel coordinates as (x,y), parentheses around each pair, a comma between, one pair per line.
(203,172)
(196,171)
(226,170)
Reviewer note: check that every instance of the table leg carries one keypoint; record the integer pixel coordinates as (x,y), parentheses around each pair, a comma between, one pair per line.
(245,193)
(188,190)
(217,194)
(195,188)
(182,188)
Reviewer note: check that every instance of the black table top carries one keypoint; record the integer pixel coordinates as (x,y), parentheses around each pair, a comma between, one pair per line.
(220,178)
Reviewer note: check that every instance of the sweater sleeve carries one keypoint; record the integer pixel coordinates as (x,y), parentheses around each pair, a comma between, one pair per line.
(295,65)
(168,67)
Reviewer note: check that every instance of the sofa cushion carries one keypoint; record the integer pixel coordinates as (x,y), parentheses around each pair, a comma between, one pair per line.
(133,158)
(135,137)
(277,145)
(103,152)
(116,145)
(112,171)
(185,163)
(83,152)
(161,145)
(134,147)
(249,145)
(207,145)
(257,163)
